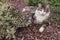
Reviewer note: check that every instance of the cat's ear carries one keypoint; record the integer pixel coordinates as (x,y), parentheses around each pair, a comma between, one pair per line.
(47,8)
(40,5)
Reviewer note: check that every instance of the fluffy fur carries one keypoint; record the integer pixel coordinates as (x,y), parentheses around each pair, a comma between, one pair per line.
(40,16)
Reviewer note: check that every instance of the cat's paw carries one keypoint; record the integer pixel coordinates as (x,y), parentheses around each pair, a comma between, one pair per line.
(42,28)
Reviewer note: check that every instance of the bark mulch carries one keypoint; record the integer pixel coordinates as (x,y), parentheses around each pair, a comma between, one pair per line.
(52,32)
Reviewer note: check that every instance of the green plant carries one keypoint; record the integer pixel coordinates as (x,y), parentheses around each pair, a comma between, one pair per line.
(6,22)
(54,2)
(55,10)
(10,19)
(56,18)
(35,2)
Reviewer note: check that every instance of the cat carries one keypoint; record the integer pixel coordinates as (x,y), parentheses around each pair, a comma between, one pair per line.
(41,15)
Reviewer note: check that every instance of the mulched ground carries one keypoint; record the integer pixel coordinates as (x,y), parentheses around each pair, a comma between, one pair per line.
(52,32)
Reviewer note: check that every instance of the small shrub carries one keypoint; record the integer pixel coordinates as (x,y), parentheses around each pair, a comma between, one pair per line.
(56,10)
(54,2)
(10,19)
(35,2)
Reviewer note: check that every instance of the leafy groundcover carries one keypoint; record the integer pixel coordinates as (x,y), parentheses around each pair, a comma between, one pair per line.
(10,19)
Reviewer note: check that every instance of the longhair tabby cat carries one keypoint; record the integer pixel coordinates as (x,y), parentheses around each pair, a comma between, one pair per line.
(41,15)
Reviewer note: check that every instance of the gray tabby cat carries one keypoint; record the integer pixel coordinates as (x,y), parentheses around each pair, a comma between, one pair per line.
(41,15)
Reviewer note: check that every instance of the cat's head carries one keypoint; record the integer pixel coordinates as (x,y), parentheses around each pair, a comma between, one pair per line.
(45,7)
